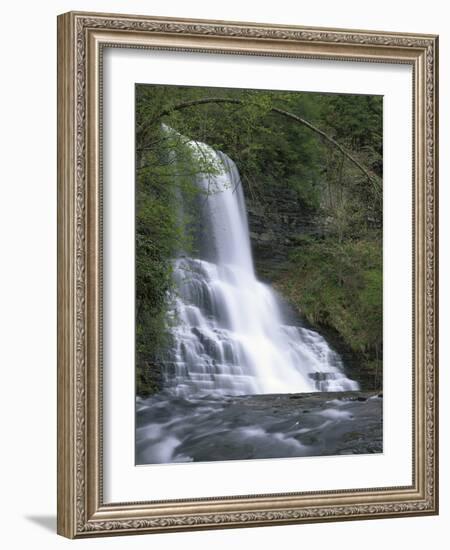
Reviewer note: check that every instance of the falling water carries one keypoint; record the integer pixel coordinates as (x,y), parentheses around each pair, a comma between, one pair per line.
(230,336)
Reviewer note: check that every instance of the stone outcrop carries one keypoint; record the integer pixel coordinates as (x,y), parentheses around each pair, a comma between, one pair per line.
(276,225)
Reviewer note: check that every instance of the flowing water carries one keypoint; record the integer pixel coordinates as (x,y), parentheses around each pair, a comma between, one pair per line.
(230,335)
(230,332)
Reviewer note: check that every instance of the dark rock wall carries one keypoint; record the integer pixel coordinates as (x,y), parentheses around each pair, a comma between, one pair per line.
(277,224)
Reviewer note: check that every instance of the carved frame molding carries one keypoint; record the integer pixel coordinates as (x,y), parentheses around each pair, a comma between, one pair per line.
(81,37)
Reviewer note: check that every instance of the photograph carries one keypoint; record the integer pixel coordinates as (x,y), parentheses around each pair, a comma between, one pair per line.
(258,274)
(247,273)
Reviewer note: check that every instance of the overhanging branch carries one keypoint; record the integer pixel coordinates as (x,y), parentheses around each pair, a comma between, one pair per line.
(287,114)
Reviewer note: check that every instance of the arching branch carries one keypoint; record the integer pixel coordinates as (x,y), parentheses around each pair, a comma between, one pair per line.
(287,114)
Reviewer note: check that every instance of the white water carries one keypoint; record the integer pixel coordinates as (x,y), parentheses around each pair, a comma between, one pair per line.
(230,337)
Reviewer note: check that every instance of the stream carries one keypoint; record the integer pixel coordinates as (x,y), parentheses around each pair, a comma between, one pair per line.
(178,429)
(243,379)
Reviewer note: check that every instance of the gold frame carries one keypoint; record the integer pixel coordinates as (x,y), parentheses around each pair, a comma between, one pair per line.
(81,37)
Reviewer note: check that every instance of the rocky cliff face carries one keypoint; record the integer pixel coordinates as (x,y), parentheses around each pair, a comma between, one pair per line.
(276,225)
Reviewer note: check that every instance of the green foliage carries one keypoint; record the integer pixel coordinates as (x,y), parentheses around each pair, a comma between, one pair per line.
(335,281)
(339,285)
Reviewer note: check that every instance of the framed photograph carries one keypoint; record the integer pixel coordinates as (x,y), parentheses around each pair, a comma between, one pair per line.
(247,276)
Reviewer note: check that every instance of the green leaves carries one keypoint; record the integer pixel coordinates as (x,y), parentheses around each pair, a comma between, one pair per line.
(339,284)
(335,281)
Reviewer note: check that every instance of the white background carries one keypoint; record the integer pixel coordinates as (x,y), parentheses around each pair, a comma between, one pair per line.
(28,273)
(123,482)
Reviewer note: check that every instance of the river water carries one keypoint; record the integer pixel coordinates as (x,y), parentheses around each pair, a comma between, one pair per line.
(232,339)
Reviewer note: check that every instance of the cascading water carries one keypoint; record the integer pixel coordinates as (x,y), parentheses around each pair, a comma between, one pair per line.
(229,335)
(232,340)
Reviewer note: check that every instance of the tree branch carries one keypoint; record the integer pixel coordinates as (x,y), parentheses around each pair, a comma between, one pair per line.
(287,114)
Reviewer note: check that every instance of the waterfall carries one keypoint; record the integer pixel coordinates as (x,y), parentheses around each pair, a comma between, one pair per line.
(229,334)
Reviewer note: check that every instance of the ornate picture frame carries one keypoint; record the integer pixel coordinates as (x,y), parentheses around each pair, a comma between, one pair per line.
(82,38)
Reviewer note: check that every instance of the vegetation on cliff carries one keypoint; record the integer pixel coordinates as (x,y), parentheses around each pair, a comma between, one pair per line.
(325,156)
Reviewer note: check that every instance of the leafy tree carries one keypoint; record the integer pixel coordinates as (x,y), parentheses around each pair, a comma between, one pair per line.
(325,149)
